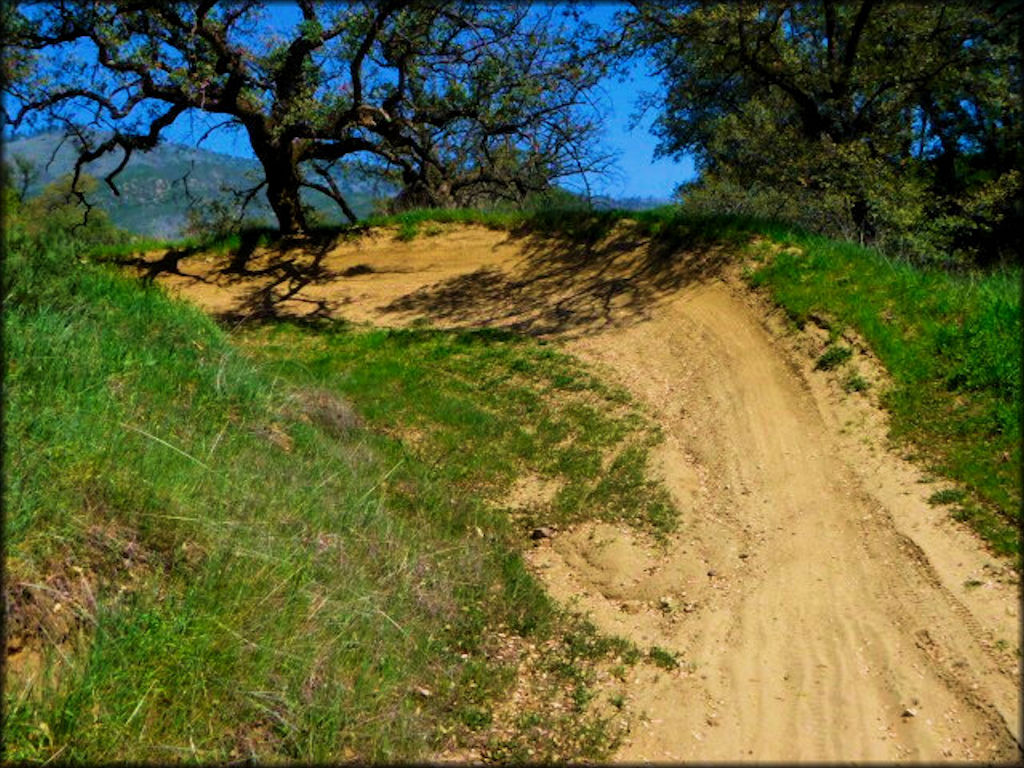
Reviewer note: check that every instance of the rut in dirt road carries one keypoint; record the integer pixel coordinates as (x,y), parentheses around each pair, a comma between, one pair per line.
(816,631)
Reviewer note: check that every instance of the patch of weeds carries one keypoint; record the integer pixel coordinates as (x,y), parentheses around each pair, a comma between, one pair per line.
(617,700)
(947,496)
(624,649)
(407,230)
(530,720)
(581,696)
(855,383)
(476,718)
(663,658)
(833,357)
(1003,538)
(973,583)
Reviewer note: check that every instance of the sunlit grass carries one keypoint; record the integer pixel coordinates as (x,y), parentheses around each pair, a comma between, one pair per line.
(223,556)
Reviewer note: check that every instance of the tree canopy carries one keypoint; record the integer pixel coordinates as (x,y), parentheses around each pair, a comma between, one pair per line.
(885,120)
(457,102)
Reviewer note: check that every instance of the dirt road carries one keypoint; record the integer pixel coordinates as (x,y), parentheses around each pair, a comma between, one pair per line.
(820,608)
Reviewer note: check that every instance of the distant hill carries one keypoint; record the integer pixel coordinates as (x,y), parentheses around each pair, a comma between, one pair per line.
(604,202)
(153,199)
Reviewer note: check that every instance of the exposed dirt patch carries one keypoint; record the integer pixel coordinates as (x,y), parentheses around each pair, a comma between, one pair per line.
(822,610)
(467,277)
(532,493)
(49,616)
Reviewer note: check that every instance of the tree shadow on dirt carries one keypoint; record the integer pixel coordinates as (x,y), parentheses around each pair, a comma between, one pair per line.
(580,275)
(284,270)
(275,270)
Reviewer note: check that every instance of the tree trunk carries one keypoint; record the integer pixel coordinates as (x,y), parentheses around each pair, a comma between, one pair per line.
(283,194)
(860,213)
(283,181)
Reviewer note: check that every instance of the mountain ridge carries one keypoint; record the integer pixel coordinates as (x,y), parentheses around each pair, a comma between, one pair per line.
(155,187)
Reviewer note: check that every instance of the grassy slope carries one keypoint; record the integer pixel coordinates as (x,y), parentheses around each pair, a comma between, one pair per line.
(217,560)
(189,508)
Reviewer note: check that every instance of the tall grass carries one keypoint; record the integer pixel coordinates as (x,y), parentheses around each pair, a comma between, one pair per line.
(211,558)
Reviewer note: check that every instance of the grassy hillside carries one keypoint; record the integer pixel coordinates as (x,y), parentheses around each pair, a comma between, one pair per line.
(301,542)
(301,555)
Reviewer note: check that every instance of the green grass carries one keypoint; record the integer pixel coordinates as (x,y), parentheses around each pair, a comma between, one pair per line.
(663,658)
(952,345)
(483,408)
(854,382)
(222,556)
(947,496)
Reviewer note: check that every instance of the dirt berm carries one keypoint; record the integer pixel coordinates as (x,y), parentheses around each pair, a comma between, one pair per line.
(820,608)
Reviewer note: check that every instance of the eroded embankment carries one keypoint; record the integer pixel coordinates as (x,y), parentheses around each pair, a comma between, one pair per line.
(805,590)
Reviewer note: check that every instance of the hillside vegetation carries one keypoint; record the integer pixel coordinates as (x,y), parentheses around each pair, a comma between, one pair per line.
(302,556)
(302,540)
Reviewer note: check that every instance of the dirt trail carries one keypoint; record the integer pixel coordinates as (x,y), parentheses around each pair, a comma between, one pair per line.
(816,622)
(820,608)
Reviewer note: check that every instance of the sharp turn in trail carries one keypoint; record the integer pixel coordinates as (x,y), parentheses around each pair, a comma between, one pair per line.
(819,606)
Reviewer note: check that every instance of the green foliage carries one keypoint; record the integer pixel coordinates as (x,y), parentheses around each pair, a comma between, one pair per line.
(409,222)
(661,657)
(855,383)
(463,104)
(488,407)
(896,124)
(57,209)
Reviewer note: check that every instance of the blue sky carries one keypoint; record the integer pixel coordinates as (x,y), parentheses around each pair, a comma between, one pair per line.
(641,174)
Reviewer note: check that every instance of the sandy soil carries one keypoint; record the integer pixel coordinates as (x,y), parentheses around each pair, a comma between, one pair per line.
(821,609)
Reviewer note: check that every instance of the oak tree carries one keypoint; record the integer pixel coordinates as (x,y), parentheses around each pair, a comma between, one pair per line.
(456,102)
(865,104)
